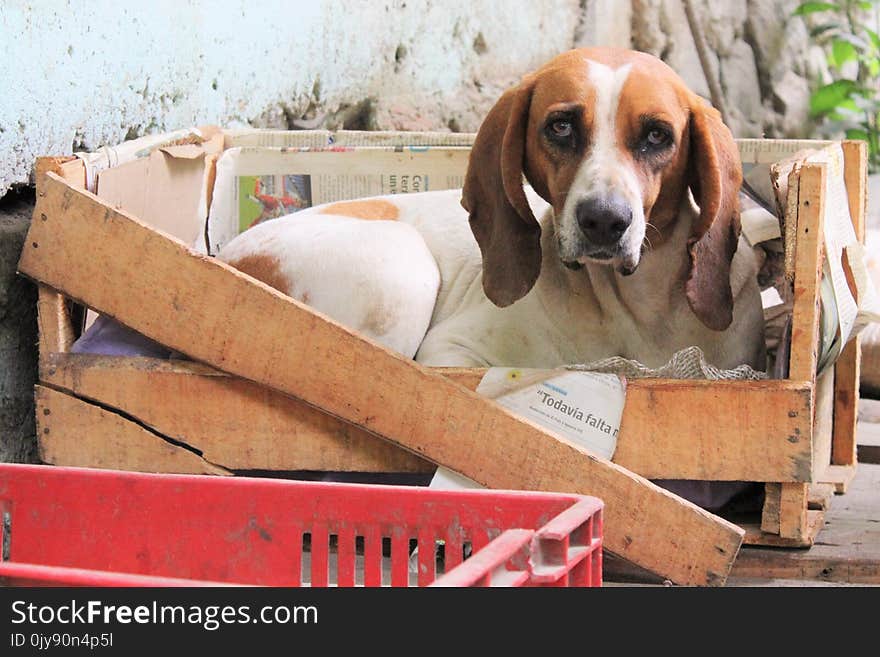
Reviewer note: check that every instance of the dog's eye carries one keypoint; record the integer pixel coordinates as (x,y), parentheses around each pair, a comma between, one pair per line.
(657,138)
(561,129)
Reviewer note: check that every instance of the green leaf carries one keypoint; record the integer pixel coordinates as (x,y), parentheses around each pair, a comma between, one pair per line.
(866,5)
(874,37)
(826,98)
(842,52)
(857,133)
(813,7)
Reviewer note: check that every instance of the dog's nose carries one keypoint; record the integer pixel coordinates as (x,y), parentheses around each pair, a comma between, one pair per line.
(604,219)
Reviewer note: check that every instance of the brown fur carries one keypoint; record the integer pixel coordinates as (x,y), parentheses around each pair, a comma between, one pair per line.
(511,142)
(367,209)
(266,269)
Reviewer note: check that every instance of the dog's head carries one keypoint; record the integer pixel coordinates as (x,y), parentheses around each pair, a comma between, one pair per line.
(612,139)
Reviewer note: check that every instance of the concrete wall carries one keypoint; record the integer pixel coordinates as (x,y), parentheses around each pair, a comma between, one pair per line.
(92,73)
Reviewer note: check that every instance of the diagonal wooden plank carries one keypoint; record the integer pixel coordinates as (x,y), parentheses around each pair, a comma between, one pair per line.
(113,263)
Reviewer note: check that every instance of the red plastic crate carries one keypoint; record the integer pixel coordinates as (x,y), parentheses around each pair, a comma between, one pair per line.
(78,526)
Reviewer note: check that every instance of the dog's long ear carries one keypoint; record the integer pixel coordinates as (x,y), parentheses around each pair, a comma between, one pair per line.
(501,220)
(715,179)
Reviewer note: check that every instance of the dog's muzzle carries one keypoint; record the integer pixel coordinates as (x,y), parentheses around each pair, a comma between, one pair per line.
(603,221)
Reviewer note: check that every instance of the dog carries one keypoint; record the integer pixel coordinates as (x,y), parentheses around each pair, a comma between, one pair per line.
(625,241)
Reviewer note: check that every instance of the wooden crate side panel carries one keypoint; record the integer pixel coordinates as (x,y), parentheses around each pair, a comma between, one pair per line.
(86,248)
(714,430)
(242,425)
(674,429)
(75,433)
(233,422)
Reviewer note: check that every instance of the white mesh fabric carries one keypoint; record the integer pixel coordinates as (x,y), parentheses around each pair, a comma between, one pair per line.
(689,363)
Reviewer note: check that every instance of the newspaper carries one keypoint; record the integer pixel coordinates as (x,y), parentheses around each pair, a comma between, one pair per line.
(254,184)
(319,138)
(584,408)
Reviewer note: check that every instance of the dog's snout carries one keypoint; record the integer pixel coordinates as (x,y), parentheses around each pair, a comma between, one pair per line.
(604,220)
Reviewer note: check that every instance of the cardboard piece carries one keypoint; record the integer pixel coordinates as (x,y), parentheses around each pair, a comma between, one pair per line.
(164,188)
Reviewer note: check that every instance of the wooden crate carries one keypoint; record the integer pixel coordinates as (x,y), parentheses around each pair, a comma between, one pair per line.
(796,435)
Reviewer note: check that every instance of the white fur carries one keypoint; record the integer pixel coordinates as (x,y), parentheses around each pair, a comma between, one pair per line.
(602,172)
(426,268)
(377,277)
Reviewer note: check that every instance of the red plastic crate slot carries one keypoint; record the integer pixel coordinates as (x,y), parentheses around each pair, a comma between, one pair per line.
(572,519)
(489,566)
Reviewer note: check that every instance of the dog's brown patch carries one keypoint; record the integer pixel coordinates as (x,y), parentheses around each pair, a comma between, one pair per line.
(379,320)
(370,209)
(264,268)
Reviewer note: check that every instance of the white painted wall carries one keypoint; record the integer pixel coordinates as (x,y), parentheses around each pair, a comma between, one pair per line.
(78,74)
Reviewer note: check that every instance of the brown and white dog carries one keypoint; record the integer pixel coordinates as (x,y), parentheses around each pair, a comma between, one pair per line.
(603,254)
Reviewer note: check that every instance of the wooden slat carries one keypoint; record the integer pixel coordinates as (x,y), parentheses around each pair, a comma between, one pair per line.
(819,496)
(839,476)
(793,511)
(785,510)
(770,512)
(823,422)
(713,430)
(244,426)
(76,433)
(56,329)
(846,389)
(808,269)
(814,522)
(790,223)
(69,167)
(234,422)
(201,307)
(855,176)
(727,422)
(846,403)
